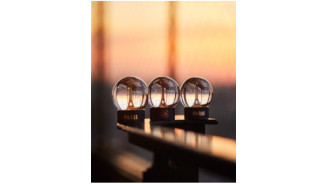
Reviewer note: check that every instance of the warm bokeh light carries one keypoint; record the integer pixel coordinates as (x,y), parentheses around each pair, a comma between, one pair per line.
(207,41)
(135,40)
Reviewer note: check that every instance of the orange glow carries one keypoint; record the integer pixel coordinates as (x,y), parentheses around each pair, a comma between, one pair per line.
(178,131)
(224,147)
(136,40)
(147,127)
(179,134)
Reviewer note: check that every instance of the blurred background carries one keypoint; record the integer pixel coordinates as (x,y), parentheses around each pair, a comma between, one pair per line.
(151,39)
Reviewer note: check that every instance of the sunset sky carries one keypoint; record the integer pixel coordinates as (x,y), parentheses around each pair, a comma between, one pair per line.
(136,40)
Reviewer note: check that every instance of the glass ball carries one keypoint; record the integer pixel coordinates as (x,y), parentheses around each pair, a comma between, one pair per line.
(163,92)
(130,93)
(196,92)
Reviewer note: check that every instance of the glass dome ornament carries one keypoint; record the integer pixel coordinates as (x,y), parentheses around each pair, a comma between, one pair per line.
(163,97)
(130,98)
(196,95)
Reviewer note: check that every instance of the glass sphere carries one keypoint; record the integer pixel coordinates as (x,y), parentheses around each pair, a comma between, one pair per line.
(130,93)
(163,92)
(196,92)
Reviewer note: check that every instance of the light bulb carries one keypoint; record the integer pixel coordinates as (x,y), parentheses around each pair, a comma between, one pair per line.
(130,98)
(163,97)
(196,95)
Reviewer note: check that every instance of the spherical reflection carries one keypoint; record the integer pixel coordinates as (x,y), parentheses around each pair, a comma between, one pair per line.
(163,92)
(196,92)
(130,93)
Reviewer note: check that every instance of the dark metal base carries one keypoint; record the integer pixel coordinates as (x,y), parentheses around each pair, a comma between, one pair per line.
(129,117)
(196,113)
(162,114)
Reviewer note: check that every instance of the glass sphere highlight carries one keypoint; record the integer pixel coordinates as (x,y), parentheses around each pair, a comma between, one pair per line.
(130,93)
(163,92)
(196,92)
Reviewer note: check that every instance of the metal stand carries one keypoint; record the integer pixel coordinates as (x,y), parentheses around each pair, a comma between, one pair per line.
(129,117)
(162,114)
(196,113)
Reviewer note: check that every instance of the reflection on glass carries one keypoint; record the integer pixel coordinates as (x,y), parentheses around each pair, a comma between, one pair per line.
(157,132)
(179,134)
(191,139)
(218,146)
(224,147)
(208,144)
